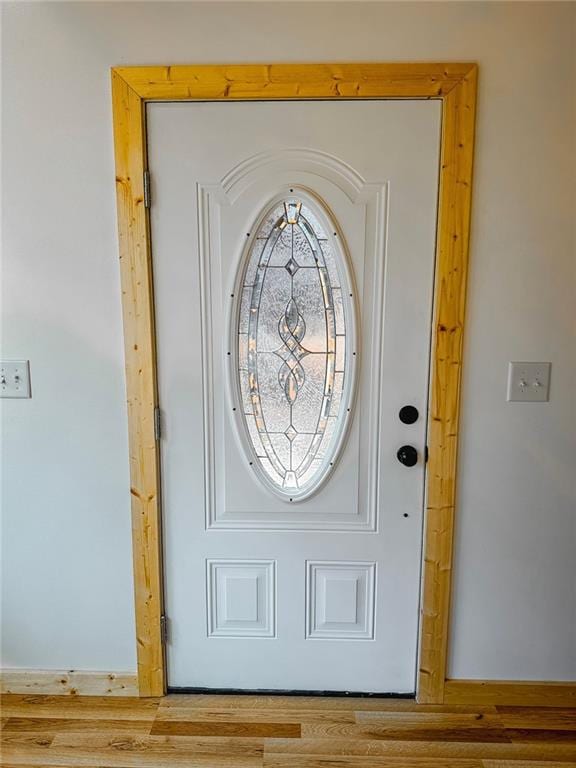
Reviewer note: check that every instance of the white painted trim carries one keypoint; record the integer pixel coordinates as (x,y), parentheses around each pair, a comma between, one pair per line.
(313,161)
(68,683)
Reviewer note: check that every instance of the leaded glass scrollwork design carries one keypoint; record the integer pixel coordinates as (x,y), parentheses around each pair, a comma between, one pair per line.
(293,334)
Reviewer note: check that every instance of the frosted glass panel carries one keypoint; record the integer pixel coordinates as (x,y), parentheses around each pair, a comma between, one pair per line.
(293,330)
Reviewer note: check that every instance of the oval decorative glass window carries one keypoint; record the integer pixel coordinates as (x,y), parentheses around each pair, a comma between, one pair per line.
(295,348)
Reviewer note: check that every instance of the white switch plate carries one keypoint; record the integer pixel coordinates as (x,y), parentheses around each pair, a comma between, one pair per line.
(528,382)
(14,378)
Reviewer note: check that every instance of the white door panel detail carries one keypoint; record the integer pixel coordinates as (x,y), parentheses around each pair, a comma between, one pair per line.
(340,600)
(240,501)
(241,598)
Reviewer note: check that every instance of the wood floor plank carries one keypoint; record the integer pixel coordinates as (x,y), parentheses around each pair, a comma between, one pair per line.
(429,720)
(525,764)
(139,752)
(540,734)
(307,761)
(238,729)
(27,738)
(439,749)
(209,745)
(88,759)
(111,708)
(82,725)
(393,732)
(228,715)
(123,702)
(350,703)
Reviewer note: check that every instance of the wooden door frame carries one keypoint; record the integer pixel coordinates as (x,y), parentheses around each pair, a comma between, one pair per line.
(454,85)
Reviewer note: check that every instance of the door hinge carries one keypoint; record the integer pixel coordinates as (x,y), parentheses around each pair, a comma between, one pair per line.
(157,423)
(425,454)
(163,629)
(146,189)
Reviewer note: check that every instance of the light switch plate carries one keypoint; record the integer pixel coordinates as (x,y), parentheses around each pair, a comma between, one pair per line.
(14,378)
(528,382)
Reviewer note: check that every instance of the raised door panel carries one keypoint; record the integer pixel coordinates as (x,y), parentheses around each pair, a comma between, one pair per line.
(340,600)
(236,496)
(241,598)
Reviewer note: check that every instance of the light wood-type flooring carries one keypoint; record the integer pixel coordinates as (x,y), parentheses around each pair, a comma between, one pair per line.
(280,732)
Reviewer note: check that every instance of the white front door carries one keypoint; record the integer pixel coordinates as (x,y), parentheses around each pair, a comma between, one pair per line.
(293,250)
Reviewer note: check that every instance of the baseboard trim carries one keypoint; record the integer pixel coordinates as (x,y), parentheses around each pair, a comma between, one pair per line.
(465,692)
(511,693)
(68,683)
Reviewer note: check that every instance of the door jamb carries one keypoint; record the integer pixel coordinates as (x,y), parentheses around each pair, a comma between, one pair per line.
(455,85)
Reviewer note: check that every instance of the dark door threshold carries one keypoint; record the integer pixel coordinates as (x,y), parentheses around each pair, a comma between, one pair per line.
(275,692)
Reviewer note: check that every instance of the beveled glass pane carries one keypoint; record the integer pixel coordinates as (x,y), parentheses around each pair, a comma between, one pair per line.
(281,446)
(270,471)
(247,407)
(274,298)
(275,407)
(300,448)
(312,470)
(254,262)
(269,221)
(305,411)
(243,354)
(292,326)
(340,352)
(304,252)
(327,438)
(283,249)
(244,307)
(337,396)
(330,262)
(314,223)
(255,438)
(338,310)
(307,294)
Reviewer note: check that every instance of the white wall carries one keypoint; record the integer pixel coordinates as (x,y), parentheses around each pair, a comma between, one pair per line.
(67,570)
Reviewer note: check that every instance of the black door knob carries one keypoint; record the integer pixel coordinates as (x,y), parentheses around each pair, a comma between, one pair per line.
(407,455)
(408,414)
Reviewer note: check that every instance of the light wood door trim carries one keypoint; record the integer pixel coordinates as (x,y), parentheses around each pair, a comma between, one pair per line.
(510,693)
(455,85)
(446,370)
(37,682)
(140,359)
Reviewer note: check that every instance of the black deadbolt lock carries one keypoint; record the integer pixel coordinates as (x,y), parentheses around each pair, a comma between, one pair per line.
(408,414)
(407,455)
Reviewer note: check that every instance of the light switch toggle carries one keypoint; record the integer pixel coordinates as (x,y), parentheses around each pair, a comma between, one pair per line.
(15,378)
(528,382)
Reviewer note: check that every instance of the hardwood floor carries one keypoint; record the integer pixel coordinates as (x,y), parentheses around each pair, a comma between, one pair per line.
(280,732)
